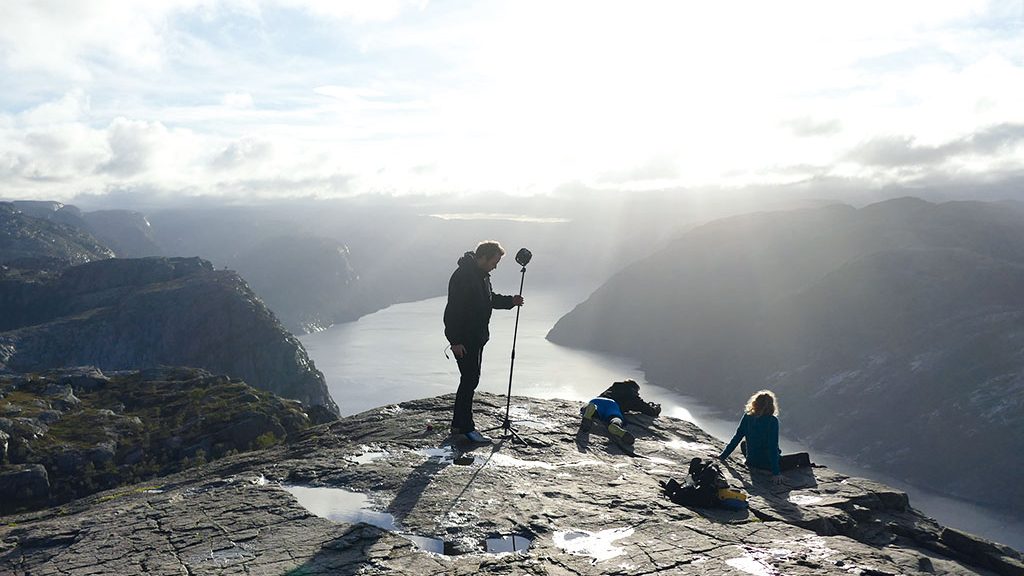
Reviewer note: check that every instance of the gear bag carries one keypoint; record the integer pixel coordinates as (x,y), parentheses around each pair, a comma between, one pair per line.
(700,488)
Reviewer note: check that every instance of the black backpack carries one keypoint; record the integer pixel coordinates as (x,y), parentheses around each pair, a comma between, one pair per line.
(701,488)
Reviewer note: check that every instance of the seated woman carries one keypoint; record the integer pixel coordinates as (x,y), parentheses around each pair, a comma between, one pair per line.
(760,428)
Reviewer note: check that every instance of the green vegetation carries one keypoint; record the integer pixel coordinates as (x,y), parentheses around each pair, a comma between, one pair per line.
(133,429)
(15,400)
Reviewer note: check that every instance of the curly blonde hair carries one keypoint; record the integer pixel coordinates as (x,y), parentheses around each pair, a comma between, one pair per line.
(763,402)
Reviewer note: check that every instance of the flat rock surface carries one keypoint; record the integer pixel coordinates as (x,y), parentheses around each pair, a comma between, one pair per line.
(579,502)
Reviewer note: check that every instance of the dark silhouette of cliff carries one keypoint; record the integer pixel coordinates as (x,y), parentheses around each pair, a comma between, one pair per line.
(892,333)
(120,314)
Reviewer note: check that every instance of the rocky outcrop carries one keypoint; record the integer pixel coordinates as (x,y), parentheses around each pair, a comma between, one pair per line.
(28,242)
(23,486)
(412,505)
(122,314)
(886,331)
(71,433)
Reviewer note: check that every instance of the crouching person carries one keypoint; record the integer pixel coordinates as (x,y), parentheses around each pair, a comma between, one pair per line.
(608,408)
(608,412)
(627,395)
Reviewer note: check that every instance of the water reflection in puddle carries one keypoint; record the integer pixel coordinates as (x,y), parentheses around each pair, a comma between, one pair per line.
(804,499)
(679,444)
(340,505)
(597,545)
(521,416)
(751,566)
(504,461)
(508,544)
(368,456)
(445,454)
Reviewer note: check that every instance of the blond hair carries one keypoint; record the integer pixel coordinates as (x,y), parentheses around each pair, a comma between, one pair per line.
(489,249)
(763,402)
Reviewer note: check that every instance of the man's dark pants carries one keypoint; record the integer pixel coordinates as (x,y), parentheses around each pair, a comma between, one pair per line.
(469,371)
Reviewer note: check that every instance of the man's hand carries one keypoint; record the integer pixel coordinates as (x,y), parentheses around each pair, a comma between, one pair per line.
(459,350)
(517,300)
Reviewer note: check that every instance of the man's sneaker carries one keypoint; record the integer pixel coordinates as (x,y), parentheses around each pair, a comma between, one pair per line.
(477,438)
(617,432)
(587,420)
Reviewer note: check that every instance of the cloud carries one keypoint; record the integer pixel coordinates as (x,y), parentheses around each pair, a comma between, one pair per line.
(69,39)
(70,107)
(216,95)
(903,151)
(809,127)
(242,100)
(655,169)
(357,10)
(63,37)
(132,146)
(241,152)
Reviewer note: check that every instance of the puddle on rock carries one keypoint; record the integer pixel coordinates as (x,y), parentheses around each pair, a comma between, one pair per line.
(368,456)
(804,499)
(512,543)
(597,545)
(445,454)
(751,566)
(679,444)
(522,417)
(340,505)
(758,561)
(502,460)
(587,462)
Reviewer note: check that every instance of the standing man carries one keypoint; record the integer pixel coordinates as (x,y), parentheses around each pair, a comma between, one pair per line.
(466,319)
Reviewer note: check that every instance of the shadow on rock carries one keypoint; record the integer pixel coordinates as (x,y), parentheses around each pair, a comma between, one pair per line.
(350,553)
(415,483)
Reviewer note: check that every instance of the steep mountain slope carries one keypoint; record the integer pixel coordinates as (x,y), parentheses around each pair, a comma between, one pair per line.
(892,333)
(307,282)
(127,233)
(137,313)
(26,241)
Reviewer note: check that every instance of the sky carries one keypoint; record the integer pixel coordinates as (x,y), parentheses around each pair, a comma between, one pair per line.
(320,98)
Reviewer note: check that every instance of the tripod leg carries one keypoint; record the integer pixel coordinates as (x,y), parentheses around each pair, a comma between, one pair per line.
(507,430)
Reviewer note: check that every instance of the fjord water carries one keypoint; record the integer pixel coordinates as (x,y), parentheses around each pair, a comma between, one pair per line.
(398,354)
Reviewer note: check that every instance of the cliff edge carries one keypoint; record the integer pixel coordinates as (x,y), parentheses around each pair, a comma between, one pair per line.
(379,493)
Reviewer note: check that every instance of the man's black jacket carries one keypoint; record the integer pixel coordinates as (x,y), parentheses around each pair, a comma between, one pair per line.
(470,301)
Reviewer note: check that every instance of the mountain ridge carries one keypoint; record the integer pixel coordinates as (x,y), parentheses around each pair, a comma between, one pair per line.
(864,321)
(121,314)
